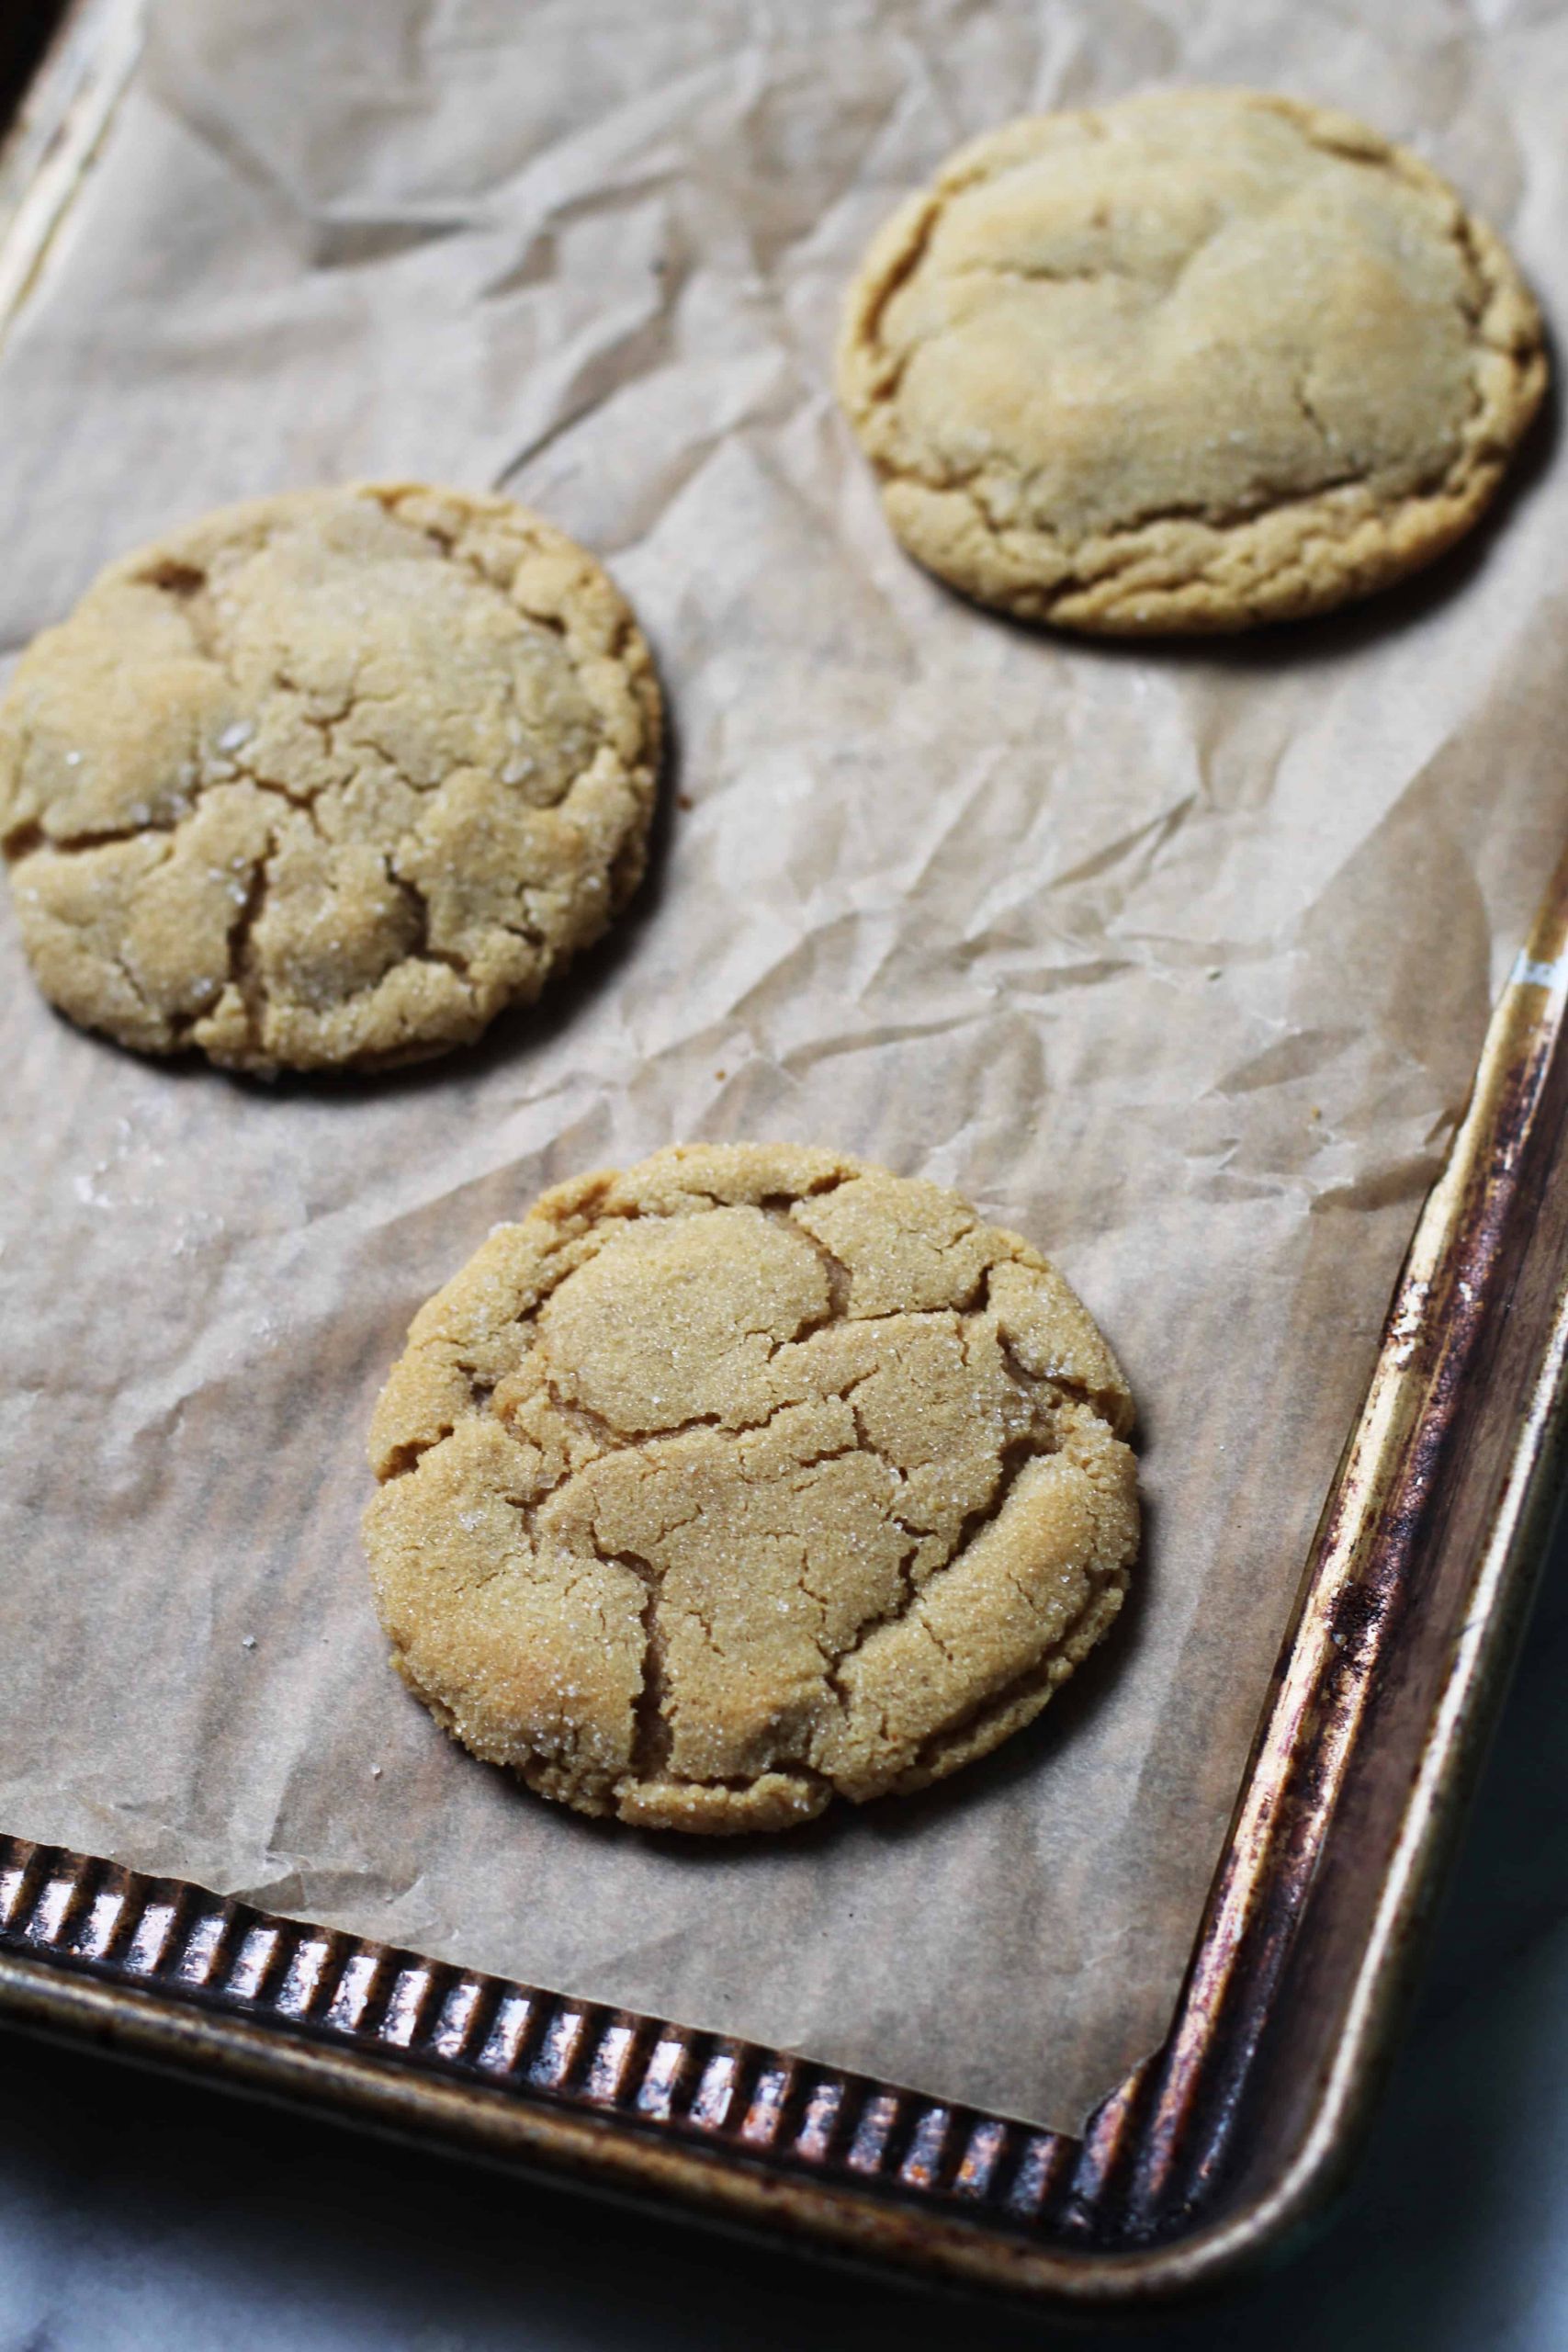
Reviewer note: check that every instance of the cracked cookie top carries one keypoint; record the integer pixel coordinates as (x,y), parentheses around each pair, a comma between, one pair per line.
(329,778)
(748,1476)
(1191,362)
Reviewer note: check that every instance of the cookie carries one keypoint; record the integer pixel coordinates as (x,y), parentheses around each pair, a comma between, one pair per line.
(328,779)
(747,1477)
(1189,363)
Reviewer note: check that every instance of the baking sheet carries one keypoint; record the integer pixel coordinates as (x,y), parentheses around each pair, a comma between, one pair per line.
(1178,961)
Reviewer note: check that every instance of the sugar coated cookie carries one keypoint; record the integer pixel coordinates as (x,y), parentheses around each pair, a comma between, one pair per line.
(747,1477)
(327,779)
(1190,362)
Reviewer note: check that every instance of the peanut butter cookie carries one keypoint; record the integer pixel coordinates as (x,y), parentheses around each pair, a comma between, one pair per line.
(327,779)
(1190,362)
(746,1477)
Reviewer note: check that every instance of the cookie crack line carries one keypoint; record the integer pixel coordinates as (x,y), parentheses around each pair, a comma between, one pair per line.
(614,1441)
(421,949)
(1016,1457)
(27,840)
(1103,1603)
(651,1729)
(240,930)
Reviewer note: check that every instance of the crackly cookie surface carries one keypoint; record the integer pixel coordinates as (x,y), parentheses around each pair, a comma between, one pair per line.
(327,778)
(747,1476)
(1190,362)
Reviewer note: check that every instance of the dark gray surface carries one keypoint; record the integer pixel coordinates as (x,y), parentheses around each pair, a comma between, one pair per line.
(135,2213)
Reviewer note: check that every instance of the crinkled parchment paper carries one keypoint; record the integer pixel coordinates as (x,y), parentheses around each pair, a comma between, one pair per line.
(1177,961)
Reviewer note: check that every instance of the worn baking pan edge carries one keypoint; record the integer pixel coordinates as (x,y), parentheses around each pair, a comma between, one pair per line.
(757,2139)
(1155,2201)
(58,127)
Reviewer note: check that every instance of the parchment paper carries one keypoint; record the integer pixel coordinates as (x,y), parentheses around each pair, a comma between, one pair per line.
(1178,961)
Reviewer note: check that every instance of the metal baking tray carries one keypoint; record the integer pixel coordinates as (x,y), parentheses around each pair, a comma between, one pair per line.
(1218,2151)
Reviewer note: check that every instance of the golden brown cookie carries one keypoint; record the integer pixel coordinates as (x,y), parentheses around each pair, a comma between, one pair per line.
(745,1477)
(327,779)
(1190,362)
